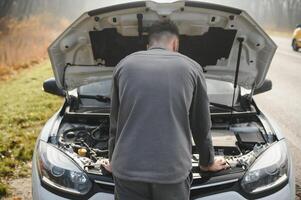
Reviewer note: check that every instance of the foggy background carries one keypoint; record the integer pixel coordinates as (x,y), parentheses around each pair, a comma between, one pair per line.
(282,15)
(27,27)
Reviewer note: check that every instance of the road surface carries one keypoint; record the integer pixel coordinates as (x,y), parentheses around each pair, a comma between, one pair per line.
(282,103)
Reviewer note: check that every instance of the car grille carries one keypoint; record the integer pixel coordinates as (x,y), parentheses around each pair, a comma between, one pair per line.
(201,185)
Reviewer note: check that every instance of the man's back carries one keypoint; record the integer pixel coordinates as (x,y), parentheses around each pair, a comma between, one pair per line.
(158,101)
(154,91)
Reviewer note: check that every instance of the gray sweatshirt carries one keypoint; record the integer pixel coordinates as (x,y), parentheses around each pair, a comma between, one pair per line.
(159,100)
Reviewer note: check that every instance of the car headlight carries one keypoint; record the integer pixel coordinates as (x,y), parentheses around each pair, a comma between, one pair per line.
(57,170)
(269,170)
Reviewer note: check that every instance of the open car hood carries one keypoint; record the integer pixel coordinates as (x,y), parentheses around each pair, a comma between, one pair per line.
(210,34)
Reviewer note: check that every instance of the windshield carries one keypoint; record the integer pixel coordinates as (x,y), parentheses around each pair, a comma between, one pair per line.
(219,92)
(102,88)
(87,92)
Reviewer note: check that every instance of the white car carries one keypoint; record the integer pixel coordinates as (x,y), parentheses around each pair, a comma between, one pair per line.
(235,54)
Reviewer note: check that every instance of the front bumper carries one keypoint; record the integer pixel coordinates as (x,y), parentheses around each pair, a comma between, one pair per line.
(40,193)
(285,193)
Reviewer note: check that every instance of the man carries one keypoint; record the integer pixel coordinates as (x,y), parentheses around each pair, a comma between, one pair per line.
(158,99)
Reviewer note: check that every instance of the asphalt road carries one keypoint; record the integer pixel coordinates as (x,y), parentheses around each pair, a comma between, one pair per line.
(283,102)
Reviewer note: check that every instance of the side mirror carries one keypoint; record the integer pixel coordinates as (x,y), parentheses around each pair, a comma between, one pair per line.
(266,86)
(50,86)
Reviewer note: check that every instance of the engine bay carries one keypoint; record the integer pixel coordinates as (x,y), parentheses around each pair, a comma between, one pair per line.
(85,140)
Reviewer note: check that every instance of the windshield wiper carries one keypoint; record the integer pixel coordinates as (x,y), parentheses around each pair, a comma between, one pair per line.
(100,98)
(107,99)
(222,106)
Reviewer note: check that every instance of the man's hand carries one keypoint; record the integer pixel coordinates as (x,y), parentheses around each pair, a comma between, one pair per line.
(106,164)
(218,164)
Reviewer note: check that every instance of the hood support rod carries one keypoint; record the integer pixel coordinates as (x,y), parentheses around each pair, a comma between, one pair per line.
(240,40)
(140,25)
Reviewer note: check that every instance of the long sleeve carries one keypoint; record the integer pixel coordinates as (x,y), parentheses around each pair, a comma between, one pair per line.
(113,116)
(200,121)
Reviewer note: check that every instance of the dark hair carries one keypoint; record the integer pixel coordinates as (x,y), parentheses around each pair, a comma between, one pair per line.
(157,28)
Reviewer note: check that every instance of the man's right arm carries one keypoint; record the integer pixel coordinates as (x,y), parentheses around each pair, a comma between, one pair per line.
(200,121)
(200,124)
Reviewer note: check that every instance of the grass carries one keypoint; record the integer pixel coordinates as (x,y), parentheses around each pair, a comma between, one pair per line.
(24,109)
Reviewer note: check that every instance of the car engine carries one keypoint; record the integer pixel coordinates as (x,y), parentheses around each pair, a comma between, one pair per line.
(85,143)
(240,143)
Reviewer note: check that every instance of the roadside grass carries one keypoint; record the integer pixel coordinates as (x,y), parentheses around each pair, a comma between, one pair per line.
(24,108)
